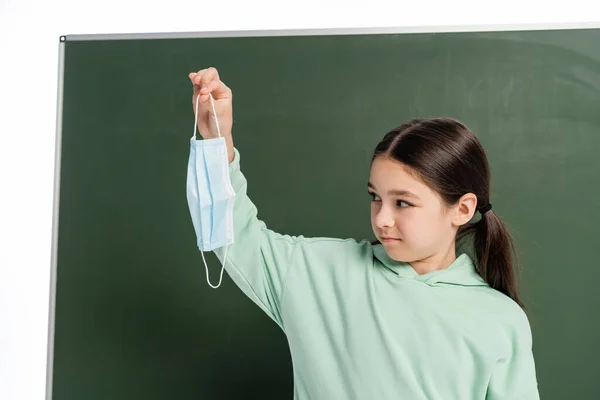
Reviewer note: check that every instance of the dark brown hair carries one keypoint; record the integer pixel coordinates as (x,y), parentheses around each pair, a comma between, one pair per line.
(449,158)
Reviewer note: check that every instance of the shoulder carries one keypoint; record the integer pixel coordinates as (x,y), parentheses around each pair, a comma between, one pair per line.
(330,255)
(509,318)
(330,260)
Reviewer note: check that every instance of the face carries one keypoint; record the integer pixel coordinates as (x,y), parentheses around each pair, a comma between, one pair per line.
(408,218)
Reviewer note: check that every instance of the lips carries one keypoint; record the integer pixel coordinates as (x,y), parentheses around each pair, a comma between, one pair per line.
(389,239)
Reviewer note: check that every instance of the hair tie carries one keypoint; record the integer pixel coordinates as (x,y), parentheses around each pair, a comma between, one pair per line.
(485,209)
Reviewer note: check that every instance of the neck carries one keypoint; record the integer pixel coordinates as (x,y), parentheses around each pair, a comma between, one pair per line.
(441,260)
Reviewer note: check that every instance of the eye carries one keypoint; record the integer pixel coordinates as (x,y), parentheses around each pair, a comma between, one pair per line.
(374,197)
(403,204)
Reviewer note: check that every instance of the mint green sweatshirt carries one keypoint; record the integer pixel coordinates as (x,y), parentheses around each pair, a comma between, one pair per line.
(362,326)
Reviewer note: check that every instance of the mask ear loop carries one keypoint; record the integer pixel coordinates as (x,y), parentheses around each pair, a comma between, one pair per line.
(194,137)
(222,269)
(212,102)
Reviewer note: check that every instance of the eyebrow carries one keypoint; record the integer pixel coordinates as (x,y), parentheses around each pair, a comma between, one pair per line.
(397,192)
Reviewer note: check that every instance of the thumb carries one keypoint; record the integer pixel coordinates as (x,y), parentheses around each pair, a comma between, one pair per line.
(196,87)
(192,76)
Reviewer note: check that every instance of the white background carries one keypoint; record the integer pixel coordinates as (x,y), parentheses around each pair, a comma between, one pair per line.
(29,37)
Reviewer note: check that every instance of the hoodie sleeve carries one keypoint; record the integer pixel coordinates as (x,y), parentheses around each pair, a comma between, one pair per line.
(259,259)
(514,376)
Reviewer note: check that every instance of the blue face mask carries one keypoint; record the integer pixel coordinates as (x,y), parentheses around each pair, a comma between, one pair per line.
(210,195)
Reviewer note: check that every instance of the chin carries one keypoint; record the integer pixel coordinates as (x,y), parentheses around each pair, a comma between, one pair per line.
(396,254)
(400,252)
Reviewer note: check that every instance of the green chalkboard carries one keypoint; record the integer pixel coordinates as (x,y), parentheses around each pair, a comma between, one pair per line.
(133,316)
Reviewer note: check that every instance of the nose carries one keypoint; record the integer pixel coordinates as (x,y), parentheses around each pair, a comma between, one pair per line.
(384,219)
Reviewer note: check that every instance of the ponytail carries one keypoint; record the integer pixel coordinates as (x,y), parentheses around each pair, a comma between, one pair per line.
(494,251)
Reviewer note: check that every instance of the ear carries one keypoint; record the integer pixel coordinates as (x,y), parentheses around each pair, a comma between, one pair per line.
(464,209)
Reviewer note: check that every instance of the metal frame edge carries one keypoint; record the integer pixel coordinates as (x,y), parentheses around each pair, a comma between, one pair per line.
(55,221)
(338,31)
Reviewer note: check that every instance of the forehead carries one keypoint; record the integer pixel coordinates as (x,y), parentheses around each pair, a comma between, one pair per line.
(387,174)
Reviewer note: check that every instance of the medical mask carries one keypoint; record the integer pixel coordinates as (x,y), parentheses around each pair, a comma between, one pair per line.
(210,194)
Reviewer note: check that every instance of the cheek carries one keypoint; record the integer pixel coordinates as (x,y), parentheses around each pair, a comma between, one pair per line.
(421,228)
(373,214)
(411,228)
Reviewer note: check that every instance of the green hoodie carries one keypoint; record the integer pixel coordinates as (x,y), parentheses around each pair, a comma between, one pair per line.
(363,326)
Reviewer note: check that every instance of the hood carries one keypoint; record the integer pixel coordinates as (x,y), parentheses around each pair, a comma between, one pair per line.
(461,272)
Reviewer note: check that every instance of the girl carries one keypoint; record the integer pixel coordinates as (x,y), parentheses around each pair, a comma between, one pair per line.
(405,317)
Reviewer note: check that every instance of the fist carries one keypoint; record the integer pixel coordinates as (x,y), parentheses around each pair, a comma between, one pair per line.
(206,83)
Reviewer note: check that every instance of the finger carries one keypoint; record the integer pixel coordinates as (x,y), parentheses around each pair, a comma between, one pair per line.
(197,80)
(211,86)
(209,75)
(221,91)
(217,89)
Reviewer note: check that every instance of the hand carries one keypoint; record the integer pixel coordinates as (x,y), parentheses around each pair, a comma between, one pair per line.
(206,82)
